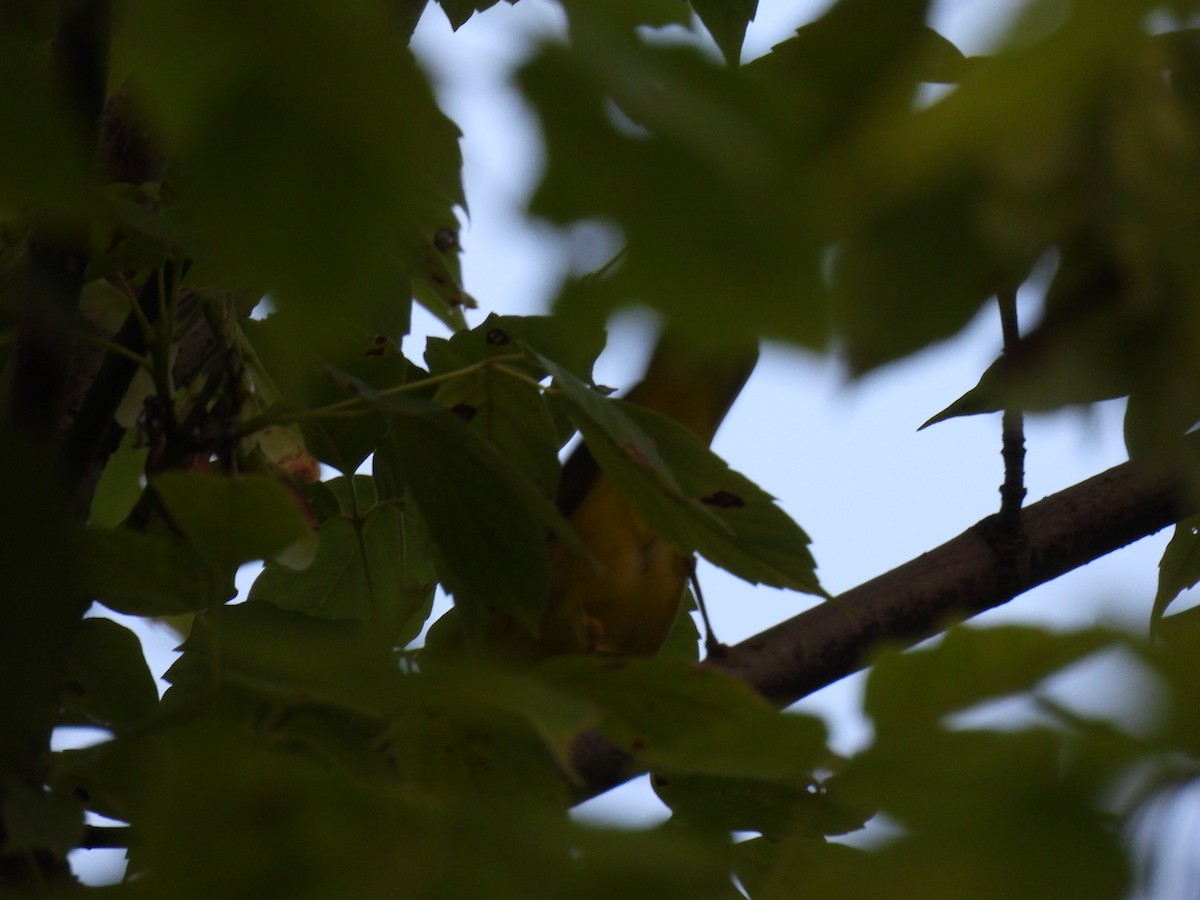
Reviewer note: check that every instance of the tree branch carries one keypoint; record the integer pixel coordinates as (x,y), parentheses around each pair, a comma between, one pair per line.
(967,575)
(58,253)
(961,578)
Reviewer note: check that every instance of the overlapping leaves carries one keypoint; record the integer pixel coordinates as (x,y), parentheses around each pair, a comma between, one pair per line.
(805,197)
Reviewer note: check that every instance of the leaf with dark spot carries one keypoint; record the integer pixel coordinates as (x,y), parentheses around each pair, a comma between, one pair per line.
(724,500)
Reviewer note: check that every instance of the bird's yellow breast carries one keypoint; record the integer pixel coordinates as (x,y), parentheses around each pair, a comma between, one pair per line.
(623,600)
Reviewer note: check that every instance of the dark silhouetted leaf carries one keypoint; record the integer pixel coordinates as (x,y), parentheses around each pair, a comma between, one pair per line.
(107,681)
(141,575)
(1179,568)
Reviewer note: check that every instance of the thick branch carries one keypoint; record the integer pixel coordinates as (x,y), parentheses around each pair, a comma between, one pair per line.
(965,576)
(58,253)
(41,606)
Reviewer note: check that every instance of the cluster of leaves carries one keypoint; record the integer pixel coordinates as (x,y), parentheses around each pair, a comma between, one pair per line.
(1044,809)
(303,748)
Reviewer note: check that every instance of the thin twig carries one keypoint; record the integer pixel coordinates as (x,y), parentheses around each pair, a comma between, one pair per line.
(712,646)
(109,346)
(92,423)
(164,334)
(1012,446)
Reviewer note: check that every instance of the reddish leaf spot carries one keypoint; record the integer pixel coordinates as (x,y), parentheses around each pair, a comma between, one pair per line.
(378,346)
(636,453)
(497,337)
(465,411)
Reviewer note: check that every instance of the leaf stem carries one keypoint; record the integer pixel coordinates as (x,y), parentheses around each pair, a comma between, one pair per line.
(357,406)
(111,346)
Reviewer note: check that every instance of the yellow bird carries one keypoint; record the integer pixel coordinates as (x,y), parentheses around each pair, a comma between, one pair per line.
(629,603)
